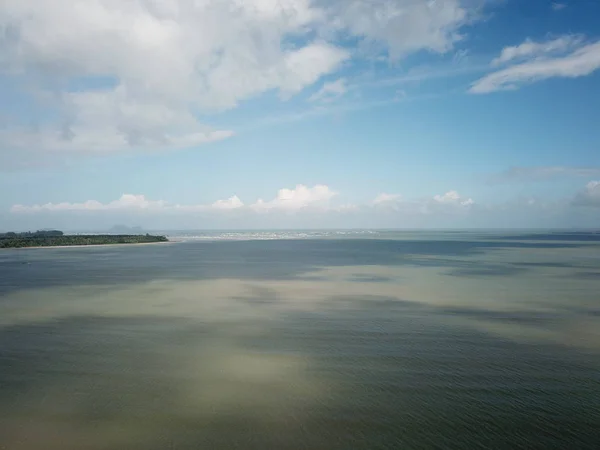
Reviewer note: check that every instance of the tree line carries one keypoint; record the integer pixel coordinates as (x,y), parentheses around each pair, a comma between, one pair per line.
(58,238)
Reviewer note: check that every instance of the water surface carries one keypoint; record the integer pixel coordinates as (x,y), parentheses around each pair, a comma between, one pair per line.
(293,340)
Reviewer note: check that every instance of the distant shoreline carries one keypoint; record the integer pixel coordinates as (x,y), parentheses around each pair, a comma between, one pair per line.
(123,244)
(39,240)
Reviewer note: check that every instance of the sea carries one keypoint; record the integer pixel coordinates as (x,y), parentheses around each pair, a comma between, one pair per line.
(332,339)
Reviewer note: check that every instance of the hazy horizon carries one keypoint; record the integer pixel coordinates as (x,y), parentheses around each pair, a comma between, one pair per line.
(356,229)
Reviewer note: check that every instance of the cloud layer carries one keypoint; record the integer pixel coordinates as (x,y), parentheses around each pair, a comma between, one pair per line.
(127,202)
(540,63)
(530,49)
(287,200)
(316,206)
(318,198)
(109,75)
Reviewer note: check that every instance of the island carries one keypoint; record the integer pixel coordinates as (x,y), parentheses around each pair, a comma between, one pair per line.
(56,238)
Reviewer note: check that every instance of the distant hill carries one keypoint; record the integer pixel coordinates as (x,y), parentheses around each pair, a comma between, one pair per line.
(124,229)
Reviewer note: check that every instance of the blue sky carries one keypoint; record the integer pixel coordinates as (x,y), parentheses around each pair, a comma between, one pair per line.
(299,113)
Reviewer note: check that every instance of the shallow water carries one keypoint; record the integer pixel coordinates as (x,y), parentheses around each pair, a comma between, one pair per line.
(318,340)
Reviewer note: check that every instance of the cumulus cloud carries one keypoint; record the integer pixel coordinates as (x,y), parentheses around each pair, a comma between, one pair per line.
(590,196)
(580,62)
(543,173)
(300,197)
(110,75)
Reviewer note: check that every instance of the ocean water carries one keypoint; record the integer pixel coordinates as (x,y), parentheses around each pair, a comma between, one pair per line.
(304,340)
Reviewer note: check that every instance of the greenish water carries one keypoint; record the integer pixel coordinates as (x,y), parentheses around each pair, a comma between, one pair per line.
(304,340)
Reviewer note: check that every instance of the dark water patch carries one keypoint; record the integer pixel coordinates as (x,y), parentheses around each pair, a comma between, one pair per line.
(590,311)
(436,384)
(575,236)
(392,304)
(311,278)
(486,270)
(534,318)
(585,275)
(557,265)
(377,303)
(273,260)
(368,278)
(377,378)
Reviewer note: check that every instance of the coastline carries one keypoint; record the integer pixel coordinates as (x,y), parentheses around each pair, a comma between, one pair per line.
(122,244)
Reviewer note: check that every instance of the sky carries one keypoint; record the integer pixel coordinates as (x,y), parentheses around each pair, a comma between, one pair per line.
(238,114)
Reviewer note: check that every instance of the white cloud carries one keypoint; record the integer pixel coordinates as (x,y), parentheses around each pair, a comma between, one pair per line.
(330,91)
(446,203)
(385,200)
(453,198)
(578,63)
(404,26)
(543,173)
(231,203)
(125,202)
(531,48)
(101,138)
(130,202)
(590,196)
(163,61)
(389,202)
(558,6)
(300,197)
(113,75)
